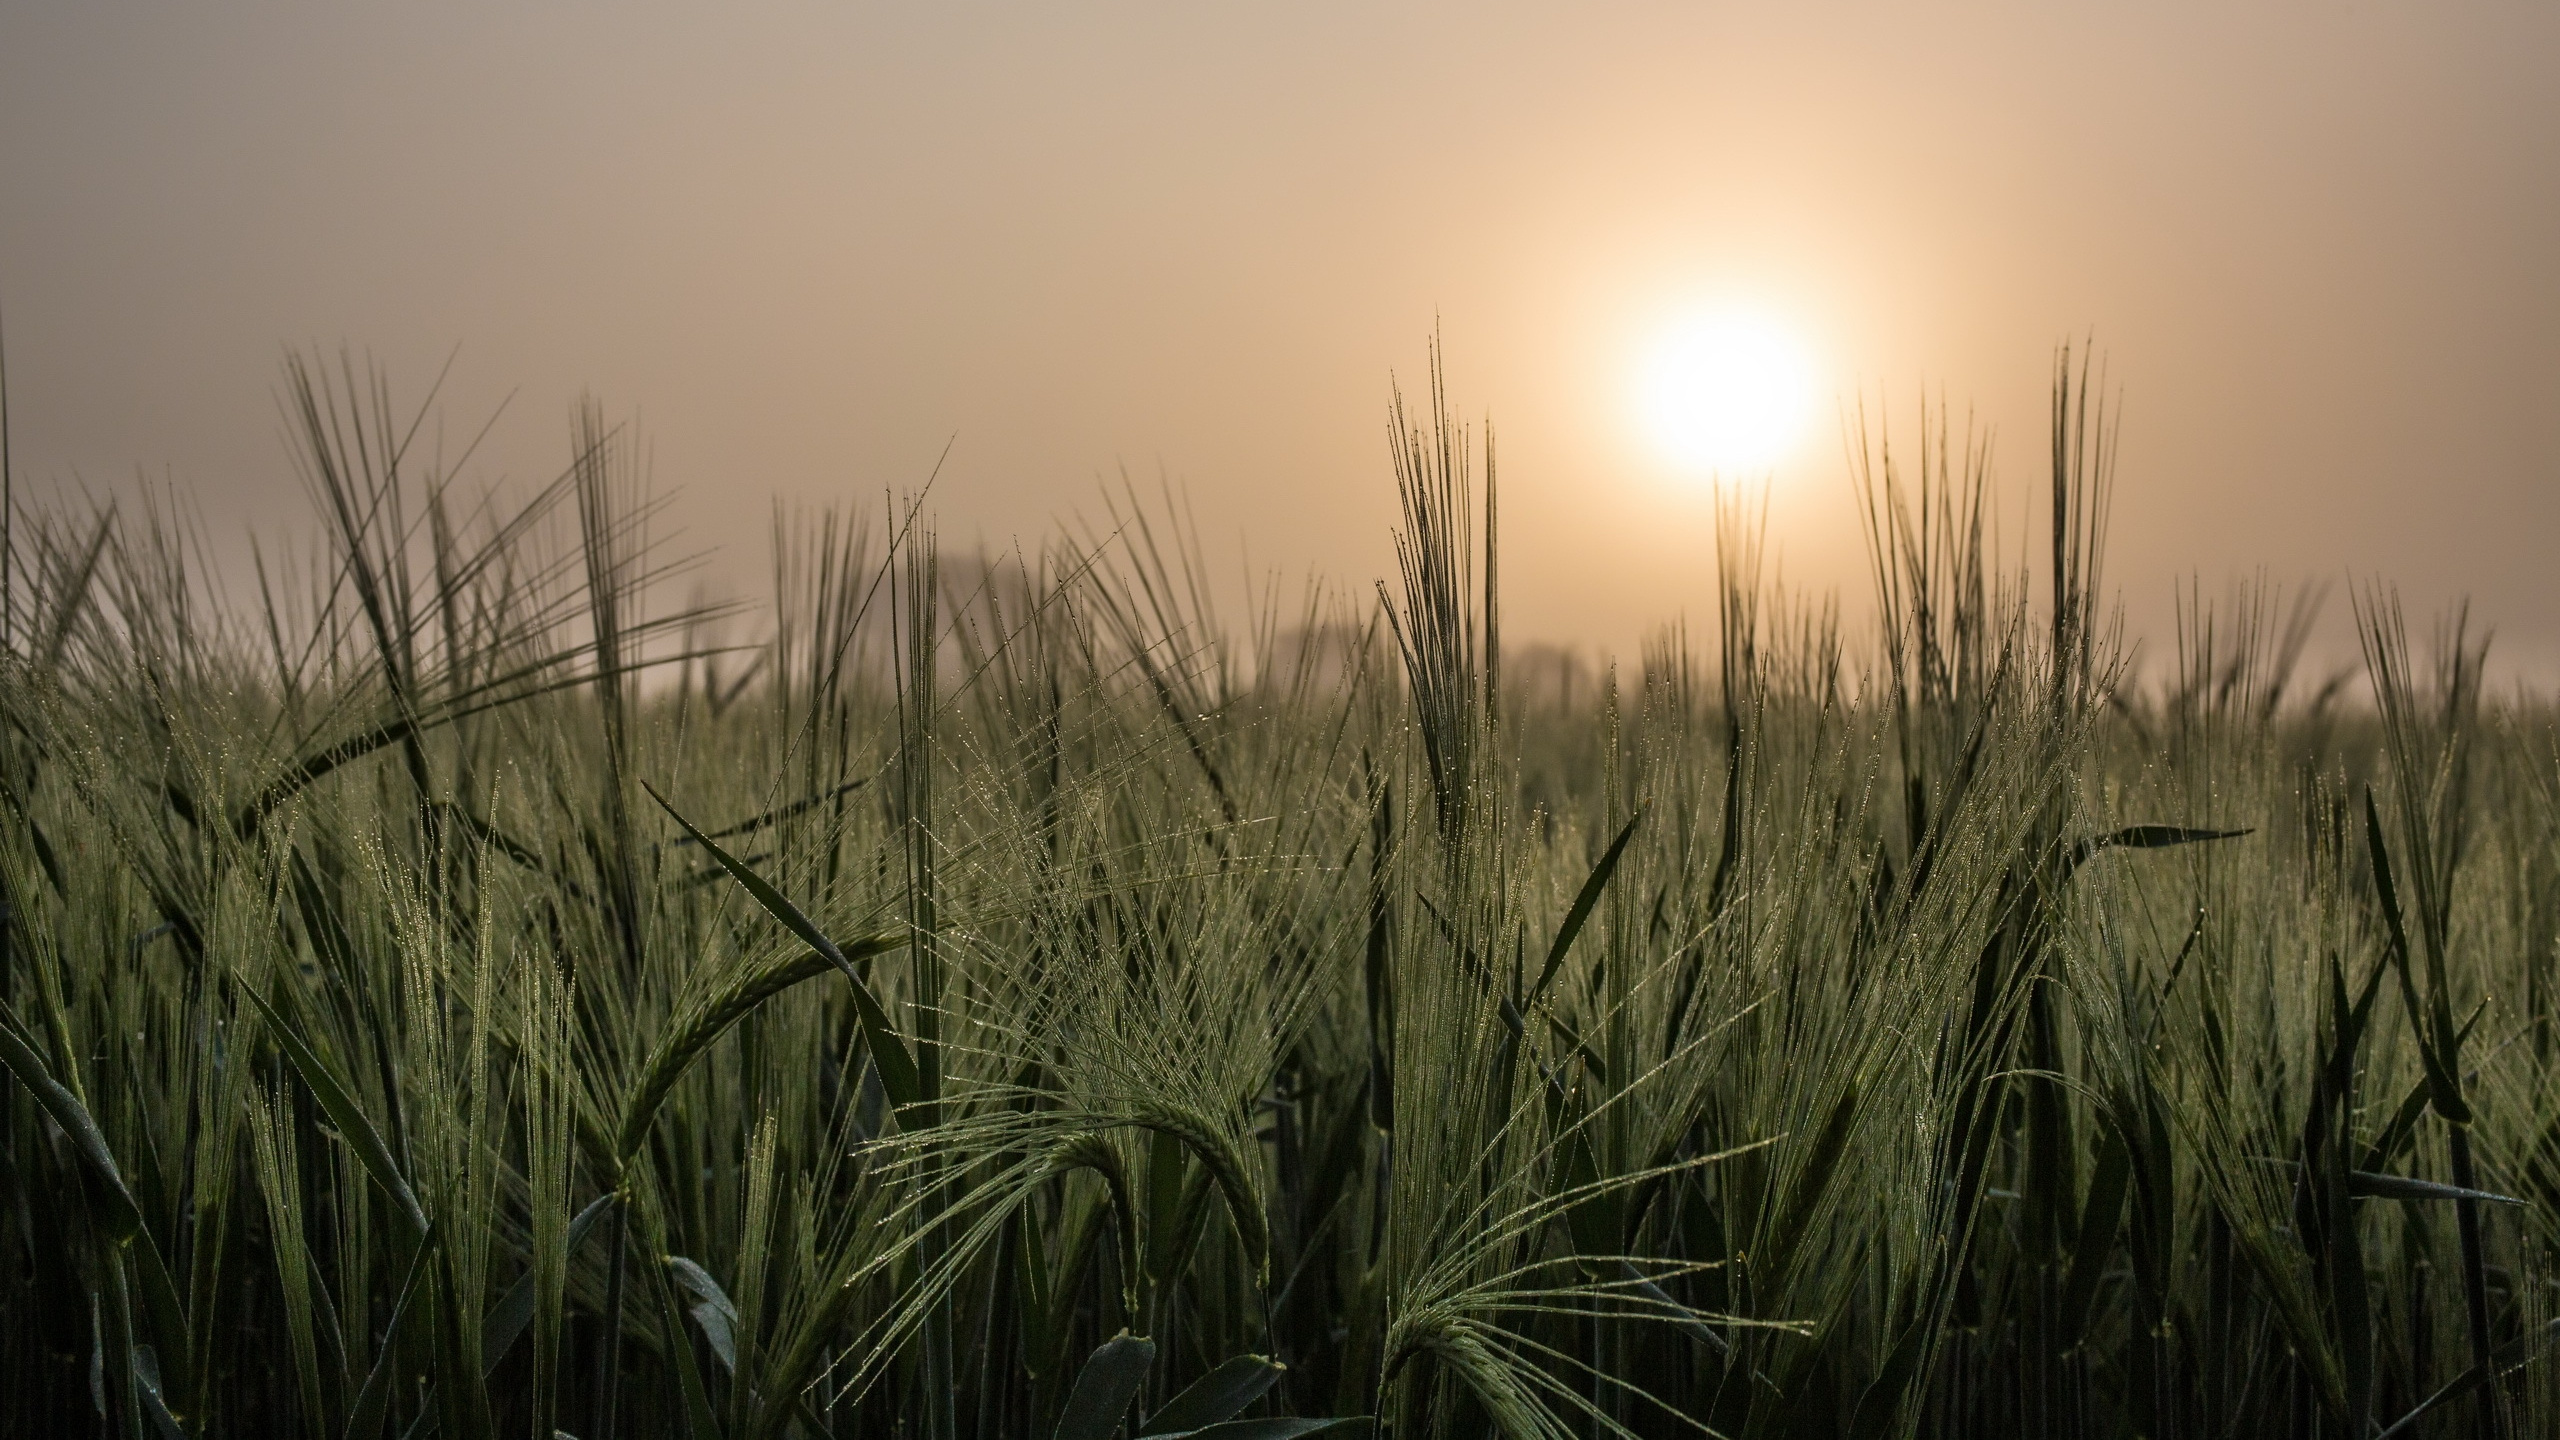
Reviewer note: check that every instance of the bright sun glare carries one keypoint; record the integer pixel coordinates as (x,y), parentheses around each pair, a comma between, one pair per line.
(1726,392)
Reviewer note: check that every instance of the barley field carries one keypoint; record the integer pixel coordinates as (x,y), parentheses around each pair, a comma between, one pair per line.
(464,989)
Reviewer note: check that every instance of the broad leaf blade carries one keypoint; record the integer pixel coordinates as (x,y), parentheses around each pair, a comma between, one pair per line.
(1215,1396)
(712,1309)
(1106,1388)
(146,1374)
(700,1423)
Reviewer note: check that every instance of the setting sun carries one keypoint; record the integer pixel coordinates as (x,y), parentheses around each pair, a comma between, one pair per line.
(1726,391)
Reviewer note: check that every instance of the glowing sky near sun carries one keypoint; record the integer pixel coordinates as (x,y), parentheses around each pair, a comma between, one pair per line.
(808,246)
(1726,392)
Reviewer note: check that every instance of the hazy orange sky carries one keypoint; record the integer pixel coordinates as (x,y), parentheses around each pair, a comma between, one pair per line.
(808,246)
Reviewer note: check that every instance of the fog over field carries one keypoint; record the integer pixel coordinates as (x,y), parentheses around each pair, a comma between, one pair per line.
(810,247)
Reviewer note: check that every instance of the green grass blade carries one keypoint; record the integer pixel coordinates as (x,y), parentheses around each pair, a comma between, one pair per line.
(1882,1401)
(506,1320)
(690,1037)
(122,1220)
(898,1074)
(2509,1358)
(339,1102)
(1273,1429)
(373,1402)
(2443,1087)
(2098,1227)
(2153,837)
(2394,1136)
(1167,1161)
(1812,1182)
(1583,903)
(2402,1187)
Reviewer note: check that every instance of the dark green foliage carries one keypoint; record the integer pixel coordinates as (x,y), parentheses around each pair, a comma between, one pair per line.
(1328,1029)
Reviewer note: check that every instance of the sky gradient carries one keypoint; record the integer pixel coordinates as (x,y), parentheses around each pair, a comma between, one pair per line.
(809,247)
